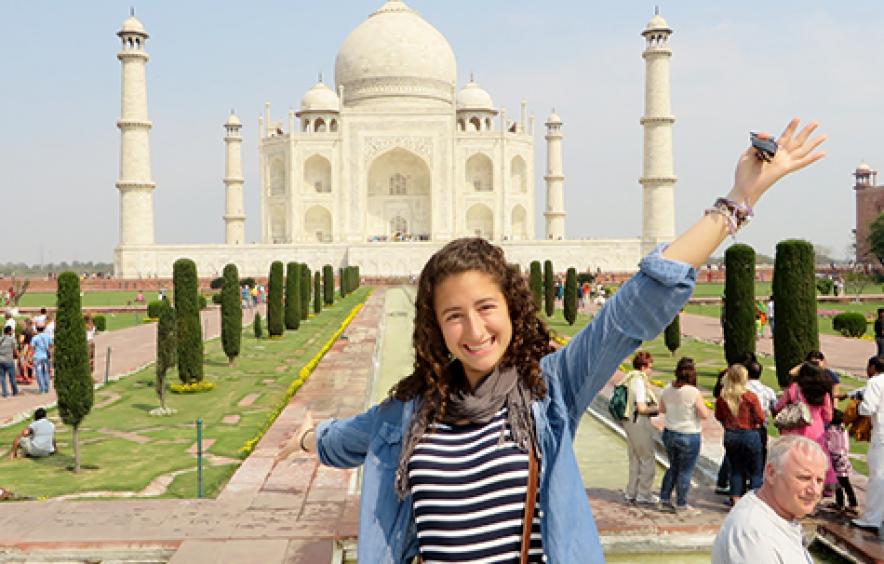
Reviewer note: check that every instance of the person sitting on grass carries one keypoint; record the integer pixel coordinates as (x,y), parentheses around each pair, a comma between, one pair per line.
(37,440)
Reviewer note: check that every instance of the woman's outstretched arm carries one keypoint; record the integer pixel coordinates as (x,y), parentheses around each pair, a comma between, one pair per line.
(753,178)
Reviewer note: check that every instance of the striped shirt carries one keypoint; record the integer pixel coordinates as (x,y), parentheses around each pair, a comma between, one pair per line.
(468,488)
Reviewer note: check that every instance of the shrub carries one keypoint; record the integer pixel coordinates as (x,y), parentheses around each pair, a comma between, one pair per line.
(825,286)
(166,349)
(73,376)
(549,288)
(100,322)
(248,281)
(231,313)
(218,299)
(328,284)
(203,303)
(256,326)
(153,309)
(584,277)
(341,282)
(306,284)
(794,293)
(194,388)
(569,301)
(317,293)
(535,281)
(850,324)
(188,327)
(292,296)
(739,305)
(672,334)
(217,283)
(275,314)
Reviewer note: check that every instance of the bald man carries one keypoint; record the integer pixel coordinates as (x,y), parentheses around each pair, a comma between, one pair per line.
(763,526)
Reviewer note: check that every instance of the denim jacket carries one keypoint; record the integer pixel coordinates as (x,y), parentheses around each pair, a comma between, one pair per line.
(574,374)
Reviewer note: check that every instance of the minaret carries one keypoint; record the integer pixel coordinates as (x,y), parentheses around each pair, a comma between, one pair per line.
(555,179)
(234,216)
(135,184)
(658,174)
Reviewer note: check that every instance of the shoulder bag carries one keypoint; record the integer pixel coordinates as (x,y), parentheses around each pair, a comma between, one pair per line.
(530,500)
(794,415)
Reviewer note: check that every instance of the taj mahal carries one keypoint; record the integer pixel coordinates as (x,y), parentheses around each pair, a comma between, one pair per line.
(392,160)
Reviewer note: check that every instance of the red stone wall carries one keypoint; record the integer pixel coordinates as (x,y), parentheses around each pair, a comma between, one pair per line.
(869,205)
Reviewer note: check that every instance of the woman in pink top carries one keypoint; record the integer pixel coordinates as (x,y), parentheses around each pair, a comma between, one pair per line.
(813,387)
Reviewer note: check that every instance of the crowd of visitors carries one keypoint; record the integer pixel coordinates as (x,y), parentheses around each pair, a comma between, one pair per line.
(769,487)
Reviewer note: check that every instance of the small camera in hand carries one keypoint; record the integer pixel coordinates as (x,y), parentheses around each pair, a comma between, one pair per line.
(765,148)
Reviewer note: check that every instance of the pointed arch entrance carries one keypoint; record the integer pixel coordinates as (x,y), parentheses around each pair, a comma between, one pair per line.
(398,197)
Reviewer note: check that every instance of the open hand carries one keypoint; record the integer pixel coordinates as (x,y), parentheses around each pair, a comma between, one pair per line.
(753,176)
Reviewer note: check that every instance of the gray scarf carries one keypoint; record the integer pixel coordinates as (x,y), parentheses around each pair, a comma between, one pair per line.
(502,387)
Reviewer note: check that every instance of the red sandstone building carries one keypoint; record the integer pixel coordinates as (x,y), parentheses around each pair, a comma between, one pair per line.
(869,205)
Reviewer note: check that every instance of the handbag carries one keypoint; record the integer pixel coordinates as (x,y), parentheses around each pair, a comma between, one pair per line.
(530,499)
(795,414)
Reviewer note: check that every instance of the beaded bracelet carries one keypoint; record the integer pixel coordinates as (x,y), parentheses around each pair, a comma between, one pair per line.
(737,215)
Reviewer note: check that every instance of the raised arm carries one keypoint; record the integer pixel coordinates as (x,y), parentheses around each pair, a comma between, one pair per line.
(752,179)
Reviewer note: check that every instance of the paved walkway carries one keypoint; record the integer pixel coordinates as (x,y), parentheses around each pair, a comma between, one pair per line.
(131,349)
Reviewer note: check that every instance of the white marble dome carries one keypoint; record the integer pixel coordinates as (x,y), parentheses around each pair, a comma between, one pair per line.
(233,120)
(474,97)
(132,25)
(396,54)
(320,98)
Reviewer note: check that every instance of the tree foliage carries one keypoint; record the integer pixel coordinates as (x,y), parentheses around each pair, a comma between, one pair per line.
(306,285)
(275,315)
(535,281)
(672,334)
(569,301)
(73,376)
(188,327)
(166,349)
(549,288)
(231,313)
(739,304)
(292,296)
(342,283)
(256,326)
(876,238)
(794,294)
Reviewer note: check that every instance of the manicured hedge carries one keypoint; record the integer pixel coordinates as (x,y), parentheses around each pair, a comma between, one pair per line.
(231,313)
(672,334)
(850,324)
(292,296)
(153,309)
(535,281)
(569,300)
(275,314)
(188,327)
(328,284)
(549,289)
(100,322)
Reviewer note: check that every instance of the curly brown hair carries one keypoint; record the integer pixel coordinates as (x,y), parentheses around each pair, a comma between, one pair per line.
(435,375)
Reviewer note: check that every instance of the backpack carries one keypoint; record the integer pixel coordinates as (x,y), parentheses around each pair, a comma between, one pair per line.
(617,403)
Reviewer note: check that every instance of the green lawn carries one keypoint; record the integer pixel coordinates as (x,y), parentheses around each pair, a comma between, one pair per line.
(709,360)
(89,299)
(154,446)
(716,289)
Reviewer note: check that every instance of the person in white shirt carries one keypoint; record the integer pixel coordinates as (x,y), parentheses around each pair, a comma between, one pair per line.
(763,526)
(873,406)
(40,319)
(37,440)
(766,397)
(641,405)
(770,315)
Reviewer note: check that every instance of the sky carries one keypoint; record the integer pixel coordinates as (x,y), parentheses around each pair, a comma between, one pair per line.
(735,67)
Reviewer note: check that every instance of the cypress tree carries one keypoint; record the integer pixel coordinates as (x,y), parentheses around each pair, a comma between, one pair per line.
(231,313)
(739,305)
(275,314)
(535,281)
(357,278)
(328,284)
(73,377)
(256,326)
(188,328)
(317,293)
(794,294)
(549,288)
(342,282)
(166,349)
(570,297)
(306,284)
(672,334)
(292,296)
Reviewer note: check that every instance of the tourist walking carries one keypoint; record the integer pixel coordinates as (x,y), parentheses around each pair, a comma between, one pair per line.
(873,406)
(8,356)
(683,408)
(838,443)
(488,398)
(813,387)
(766,397)
(42,344)
(770,315)
(740,413)
(641,405)
(26,353)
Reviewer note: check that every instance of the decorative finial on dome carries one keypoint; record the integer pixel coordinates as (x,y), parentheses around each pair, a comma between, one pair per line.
(656,10)
(132,11)
(472,77)
(320,76)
